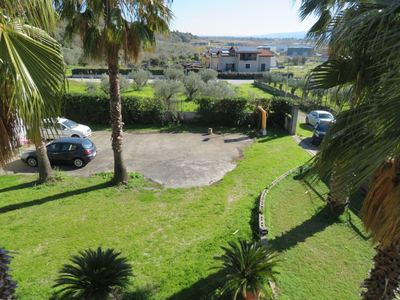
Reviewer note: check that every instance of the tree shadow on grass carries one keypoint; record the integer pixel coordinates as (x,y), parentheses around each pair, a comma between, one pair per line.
(205,289)
(317,223)
(18,187)
(31,203)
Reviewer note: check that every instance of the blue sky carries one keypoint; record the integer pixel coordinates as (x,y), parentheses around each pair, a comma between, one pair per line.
(237,17)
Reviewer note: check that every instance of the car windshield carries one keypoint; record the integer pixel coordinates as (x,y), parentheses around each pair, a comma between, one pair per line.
(322,127)
(69,123)
(325,116)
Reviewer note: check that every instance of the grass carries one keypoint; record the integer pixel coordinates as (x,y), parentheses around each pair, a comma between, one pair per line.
(323,257)
(244,90)
(251,91)
(170,236)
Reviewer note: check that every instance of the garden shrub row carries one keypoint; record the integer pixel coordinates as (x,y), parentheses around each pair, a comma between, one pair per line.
(94,109)
(100,71)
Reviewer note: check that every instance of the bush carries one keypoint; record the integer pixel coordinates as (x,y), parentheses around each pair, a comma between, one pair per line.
(217,89)
(95,109)
(105,83)
(193,84)
(227,112)
(280,106)
(166,90)
(208,74)
(140,77)
(174,74)
(91,87)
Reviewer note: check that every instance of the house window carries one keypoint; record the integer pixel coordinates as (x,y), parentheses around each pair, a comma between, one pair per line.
(248,56)
(247,66)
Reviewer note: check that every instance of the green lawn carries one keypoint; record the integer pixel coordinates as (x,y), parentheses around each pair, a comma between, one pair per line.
(170,236)
(323,257)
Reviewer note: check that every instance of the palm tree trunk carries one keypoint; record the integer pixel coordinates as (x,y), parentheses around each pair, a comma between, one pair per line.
(383,280)
(338,199)
(120,173)
(45,170)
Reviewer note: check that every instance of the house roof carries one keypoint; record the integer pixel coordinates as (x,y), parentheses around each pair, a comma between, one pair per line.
(246,49)
(265,53)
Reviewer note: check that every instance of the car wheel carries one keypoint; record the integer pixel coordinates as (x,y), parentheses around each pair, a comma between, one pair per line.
(75,135)
(31,161)
(78,162)
(307,121)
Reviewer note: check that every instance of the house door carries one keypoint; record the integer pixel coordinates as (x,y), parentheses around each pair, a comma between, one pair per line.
(262,67)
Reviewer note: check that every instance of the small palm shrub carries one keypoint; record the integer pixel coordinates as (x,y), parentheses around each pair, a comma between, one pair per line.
(93,275)
(247,267)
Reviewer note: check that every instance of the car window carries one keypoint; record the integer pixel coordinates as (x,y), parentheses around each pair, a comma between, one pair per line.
(325,116)
(87,144)
(64,147)
(53,147)
(69,123)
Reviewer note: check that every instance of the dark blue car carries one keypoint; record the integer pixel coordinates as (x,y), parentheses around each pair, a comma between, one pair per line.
(319,133)
(77,151)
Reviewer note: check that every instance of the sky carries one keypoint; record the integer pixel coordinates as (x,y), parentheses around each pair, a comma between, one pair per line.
(237,17)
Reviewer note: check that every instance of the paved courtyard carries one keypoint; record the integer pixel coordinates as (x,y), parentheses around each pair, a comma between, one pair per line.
(176,160)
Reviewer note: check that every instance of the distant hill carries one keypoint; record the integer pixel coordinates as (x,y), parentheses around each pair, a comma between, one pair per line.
(283,35)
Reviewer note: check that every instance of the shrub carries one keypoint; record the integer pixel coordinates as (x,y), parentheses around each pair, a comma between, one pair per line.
(91,87)
(217,89)
(280,106)
(140,77)
(174,73)
(95,109)
(228,112)
(193,84)
(166,90)
(208,74)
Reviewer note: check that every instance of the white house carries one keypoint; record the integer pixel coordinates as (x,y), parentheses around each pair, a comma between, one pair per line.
(241,59)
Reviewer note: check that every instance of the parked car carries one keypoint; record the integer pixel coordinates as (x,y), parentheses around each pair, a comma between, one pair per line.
(77,151)
(319,132)
(317,116)
(65,128)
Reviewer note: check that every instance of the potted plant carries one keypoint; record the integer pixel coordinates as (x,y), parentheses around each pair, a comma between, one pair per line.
(247,267)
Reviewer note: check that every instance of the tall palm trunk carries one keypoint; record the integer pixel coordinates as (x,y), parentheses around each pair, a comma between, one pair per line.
(45,170)
(338,199)
(383,280)
(380,217)
(120,173)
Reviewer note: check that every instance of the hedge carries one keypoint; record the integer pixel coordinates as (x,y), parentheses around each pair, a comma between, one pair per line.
(100,71)
(228,112)
(95,109)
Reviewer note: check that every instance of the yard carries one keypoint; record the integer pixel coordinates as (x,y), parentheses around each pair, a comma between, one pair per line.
(170,236)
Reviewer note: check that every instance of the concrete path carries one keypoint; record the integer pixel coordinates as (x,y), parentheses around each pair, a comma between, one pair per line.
(175,160)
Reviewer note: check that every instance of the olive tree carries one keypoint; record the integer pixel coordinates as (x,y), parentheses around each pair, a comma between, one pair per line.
(140,78)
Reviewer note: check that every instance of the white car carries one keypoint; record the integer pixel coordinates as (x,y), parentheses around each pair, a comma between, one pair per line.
(317,116)
(66,128)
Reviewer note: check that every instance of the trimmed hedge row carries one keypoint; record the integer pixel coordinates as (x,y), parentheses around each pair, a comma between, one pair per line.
(95,109)
(100,71)
(228,112)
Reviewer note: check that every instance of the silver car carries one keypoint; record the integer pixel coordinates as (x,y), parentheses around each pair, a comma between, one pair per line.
(317,116)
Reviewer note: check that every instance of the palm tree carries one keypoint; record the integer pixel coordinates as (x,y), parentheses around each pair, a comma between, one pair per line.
(107,27)
(365,139)
(31,76)
(247,268)
(93,275)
